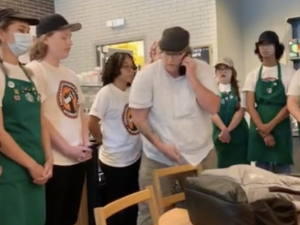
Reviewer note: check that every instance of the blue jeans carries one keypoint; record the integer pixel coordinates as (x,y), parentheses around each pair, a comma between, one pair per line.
(274,167)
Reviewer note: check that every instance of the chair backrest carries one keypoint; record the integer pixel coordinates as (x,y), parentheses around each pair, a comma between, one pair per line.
(167,201)
(102,213)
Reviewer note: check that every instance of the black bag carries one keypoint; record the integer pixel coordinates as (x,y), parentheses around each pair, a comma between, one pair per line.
(211,200)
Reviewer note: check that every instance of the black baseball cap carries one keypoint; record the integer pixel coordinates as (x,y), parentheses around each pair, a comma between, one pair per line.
(54,22)
(174,39)
(269,37)
(14,14)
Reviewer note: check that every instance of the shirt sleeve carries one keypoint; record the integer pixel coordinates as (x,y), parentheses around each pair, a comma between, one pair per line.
(100,104)
(141,91)
(250,82)
(38,78)
(294,86)
(206,76)
(243,100)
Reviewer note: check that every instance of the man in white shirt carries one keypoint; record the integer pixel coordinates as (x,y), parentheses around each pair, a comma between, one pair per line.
(171,106)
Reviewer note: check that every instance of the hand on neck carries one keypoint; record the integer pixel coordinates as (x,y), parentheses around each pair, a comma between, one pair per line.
(7,56)
(270,62)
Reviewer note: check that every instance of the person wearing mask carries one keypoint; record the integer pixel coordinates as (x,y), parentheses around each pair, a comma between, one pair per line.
(61,100)
(168,107)
(25,152)
(230,133)
(270,137)
(120,151)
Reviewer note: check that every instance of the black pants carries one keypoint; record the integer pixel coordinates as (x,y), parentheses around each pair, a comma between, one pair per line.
(121,182)
(63,194)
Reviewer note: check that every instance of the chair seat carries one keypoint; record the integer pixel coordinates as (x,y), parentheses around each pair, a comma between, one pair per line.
(175,217)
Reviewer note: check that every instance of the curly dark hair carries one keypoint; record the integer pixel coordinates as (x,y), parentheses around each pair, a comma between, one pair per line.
(279,50)
(112,67)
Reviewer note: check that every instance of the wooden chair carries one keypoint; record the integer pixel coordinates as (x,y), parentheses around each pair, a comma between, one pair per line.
(174,216)
(102,213)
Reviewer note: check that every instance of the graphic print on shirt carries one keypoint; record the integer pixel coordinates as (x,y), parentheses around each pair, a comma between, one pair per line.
(67,99)
(128,121)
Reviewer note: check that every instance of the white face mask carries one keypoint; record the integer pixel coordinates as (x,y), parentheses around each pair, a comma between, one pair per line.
(21,44)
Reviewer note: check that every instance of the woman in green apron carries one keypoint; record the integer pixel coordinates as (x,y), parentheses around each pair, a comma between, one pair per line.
(270,137)
(26,166)
(230,133)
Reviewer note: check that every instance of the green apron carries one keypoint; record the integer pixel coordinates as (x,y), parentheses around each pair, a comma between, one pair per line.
(21,201)
(234,152)
(270,98)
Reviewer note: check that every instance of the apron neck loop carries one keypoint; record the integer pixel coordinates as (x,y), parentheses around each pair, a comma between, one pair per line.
(278,71)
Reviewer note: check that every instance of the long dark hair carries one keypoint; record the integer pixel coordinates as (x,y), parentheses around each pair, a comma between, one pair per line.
(279,50)
(234,84)
(112,68)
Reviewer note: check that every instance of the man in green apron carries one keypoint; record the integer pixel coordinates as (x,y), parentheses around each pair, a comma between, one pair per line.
(270,137)
(230,129)
(25,170)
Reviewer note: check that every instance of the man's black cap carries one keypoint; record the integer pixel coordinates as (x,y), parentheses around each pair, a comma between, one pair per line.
(269,37)
(54,22)
(174,39)
(14,14)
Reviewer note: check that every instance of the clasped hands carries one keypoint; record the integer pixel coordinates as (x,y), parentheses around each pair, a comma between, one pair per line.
(265,132)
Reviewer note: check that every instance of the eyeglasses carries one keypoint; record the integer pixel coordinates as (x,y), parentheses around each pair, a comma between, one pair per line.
(225,69)
(128,67)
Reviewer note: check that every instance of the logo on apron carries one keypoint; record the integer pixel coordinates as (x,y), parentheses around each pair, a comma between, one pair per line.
(67,99)
(128,121)
(10,84)
(29,97)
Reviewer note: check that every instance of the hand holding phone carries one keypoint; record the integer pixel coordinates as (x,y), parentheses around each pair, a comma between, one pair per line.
(182,68)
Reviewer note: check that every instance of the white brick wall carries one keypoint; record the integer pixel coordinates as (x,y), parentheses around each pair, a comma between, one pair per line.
(144,18)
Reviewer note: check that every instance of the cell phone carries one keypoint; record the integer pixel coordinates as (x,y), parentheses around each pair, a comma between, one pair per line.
(182,68)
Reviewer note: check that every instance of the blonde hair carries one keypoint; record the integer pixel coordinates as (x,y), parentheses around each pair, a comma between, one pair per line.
(39,49)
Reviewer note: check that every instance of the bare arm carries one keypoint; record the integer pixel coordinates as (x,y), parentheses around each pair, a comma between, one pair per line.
(84,128)
(46,138)
(283,113)
(140,118)
(251,109)
(56,139)
(94,128)
(12,150)
(219,123)
(293,106)
(236,119)
(211,101)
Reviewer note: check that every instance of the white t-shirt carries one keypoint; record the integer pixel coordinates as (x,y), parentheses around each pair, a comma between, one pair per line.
(227,88)
(175,114)
(294,88)
(269,72)
(15,72)
(61,97)
(121,139)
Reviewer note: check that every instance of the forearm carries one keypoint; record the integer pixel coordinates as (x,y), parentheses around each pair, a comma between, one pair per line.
(84,129)
(46,142)
(96,132)
(283,113)
(148,132)
(56,139)
(293,107)
(205,98)
(12,150)
(218,122)
(236,119)
(254,116)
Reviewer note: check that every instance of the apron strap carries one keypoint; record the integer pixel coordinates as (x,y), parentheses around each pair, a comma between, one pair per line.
(278,71)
